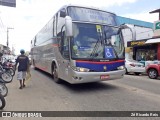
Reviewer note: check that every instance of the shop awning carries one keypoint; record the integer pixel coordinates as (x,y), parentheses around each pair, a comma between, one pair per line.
(157,40)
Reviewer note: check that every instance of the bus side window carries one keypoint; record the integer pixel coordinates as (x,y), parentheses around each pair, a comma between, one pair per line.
(35,42)
(54,26)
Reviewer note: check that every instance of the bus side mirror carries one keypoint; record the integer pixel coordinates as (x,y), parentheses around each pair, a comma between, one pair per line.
(133,33)
(63,13)
(68,26)
(132,29)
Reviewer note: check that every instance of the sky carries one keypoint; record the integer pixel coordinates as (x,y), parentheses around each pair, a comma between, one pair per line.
(29,16)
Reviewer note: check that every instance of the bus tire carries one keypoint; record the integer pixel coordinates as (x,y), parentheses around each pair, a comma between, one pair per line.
(34,65)
(55,74)
(2,102)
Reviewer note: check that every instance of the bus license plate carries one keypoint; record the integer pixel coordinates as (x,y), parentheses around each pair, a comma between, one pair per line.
(104,77)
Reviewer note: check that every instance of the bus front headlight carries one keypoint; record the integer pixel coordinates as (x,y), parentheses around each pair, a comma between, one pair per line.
(121,67)
(80,69)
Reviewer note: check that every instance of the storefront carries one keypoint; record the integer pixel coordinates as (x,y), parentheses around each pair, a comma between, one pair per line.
(145,50)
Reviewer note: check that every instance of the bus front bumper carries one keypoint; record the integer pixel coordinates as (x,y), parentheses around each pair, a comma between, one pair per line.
(86,77)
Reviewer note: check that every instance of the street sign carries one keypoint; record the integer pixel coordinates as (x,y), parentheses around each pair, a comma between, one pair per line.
(157,25)
(156,29)
(109,53)
(10,3)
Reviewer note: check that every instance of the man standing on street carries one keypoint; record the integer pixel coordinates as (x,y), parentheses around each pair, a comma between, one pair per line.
(23,66)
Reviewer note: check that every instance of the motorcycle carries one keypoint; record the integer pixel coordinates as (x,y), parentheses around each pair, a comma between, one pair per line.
(9,67)
(3,88)
(2,102)
(3,93)
(6,76)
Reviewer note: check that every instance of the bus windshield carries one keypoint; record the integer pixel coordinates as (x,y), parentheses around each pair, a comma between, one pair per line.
(91,41)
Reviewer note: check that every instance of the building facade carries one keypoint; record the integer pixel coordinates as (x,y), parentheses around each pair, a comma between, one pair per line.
(144,30)
(3,49)
(138,49)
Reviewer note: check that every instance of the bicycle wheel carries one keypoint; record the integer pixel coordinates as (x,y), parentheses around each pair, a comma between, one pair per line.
(2,102)
(3,89)
(7,77)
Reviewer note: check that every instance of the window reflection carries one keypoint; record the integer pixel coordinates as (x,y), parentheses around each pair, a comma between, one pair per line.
(87,37)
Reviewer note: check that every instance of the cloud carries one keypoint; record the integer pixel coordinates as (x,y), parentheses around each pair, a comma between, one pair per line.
(30,16)
(34,14)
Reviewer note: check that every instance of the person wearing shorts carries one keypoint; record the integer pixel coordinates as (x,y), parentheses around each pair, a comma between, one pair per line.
(23,65)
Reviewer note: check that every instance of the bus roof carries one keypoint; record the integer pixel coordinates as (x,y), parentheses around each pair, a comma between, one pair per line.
(90,7)
(75,5)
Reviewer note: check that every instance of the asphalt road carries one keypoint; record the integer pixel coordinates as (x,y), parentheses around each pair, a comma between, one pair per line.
(132,93)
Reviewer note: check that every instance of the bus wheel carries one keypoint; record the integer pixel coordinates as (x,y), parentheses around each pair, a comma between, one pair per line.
(34,65)
(55,74)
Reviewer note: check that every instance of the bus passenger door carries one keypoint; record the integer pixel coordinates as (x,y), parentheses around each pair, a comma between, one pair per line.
(63,59)
(64,49)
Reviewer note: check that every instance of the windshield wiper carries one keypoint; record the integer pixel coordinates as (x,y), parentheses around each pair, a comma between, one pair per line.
(93,53)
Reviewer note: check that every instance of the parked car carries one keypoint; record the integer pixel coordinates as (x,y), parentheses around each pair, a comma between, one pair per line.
(133,66)
(153,70)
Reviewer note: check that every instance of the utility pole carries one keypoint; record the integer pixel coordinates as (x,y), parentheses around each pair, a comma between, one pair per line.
(156,25)
(8,36)
(156,11)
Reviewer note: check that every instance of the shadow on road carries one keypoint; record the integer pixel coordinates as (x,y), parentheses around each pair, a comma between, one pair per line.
(132,74)
(84,87)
